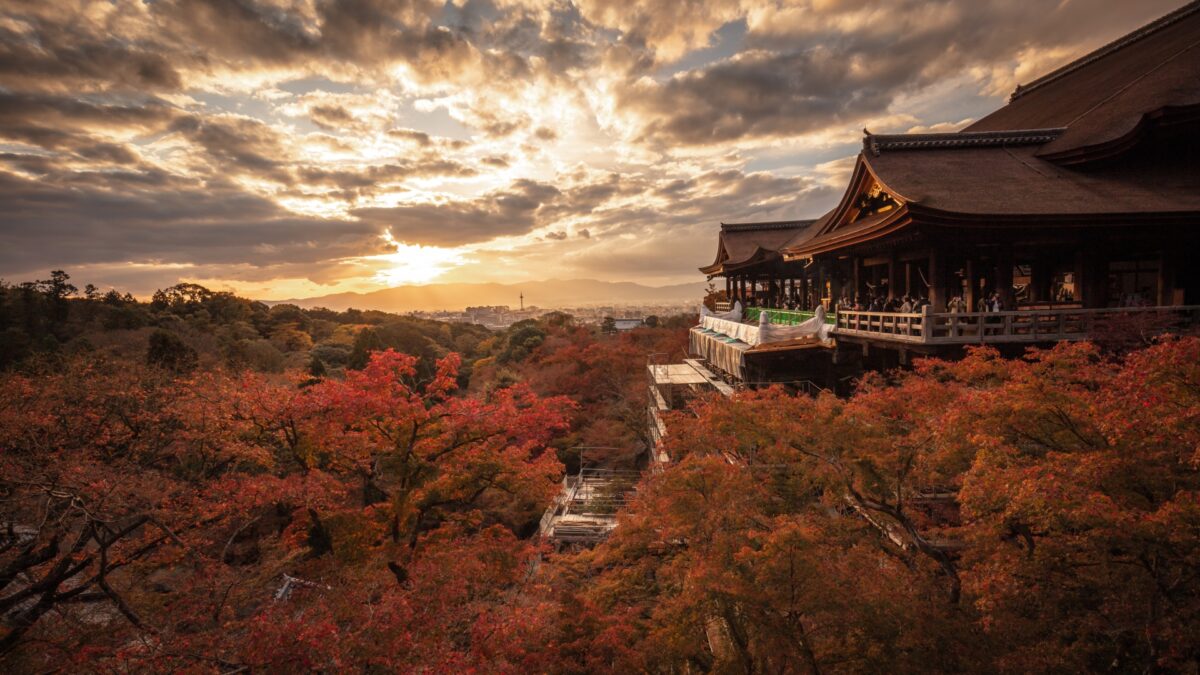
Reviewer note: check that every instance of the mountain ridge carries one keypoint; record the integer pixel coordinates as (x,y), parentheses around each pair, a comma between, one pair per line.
(547,294)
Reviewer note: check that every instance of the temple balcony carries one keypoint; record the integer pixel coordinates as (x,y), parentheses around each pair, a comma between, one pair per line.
(757,346)
(1010,327)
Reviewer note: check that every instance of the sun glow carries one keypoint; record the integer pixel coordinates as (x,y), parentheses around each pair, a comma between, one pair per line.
(416,264)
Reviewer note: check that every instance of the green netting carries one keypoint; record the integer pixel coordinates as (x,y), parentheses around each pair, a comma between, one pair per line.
(784,317)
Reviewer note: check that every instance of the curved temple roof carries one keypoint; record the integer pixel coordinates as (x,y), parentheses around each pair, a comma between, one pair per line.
(1021,163)
(745,244)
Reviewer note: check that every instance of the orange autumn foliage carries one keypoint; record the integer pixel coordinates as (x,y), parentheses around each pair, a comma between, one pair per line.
(984,515)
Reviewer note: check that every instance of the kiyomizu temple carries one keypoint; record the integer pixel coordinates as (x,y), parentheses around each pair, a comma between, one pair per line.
(1071,211)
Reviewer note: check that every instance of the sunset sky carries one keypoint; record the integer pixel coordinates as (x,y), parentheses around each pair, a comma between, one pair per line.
(291,148)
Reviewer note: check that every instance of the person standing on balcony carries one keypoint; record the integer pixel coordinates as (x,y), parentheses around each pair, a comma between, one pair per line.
(956,306)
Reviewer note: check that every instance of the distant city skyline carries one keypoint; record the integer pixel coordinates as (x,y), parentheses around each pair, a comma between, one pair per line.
(291,149)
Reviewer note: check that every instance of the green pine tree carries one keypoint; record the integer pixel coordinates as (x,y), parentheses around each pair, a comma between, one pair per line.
(365,342)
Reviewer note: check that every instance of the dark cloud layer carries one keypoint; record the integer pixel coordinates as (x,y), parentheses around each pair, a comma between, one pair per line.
(815,65)
(128,220)
(606,136)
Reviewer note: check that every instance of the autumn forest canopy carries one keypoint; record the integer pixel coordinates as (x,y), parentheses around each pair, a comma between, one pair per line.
(204,483)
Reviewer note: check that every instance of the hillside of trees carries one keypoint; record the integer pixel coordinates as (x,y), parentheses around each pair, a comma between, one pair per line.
(203,483)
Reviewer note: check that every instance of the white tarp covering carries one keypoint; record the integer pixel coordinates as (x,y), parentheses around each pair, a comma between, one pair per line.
(745,332)
(719,350)
(766,332)
(814,327)
(723,342)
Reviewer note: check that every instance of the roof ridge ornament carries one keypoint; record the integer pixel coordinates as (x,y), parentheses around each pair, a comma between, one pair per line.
(877,143)
(770,225)
(869,142)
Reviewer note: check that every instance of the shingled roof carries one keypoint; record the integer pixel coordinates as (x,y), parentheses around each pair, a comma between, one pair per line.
(1022,162)
(1106,98)
(1014,181)
(744,244)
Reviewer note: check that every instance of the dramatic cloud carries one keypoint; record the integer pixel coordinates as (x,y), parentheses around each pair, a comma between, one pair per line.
(808,66)
(512,211)
(291,147)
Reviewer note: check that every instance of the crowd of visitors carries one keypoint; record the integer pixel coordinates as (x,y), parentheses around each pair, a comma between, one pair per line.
(912,304)
(906,304)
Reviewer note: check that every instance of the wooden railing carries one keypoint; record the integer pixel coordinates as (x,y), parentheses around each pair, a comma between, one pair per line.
(1028,325)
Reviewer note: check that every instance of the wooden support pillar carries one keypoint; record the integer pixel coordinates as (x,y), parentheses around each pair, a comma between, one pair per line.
(972,285)
(1168,291)
(1094,282)
(937,282)
(822,285)
(857,278)
(1004,277)
(1040,278)
(908,279)
(835,285)
(893,272)
(1080,264)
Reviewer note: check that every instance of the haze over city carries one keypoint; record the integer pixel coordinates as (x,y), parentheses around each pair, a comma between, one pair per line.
(295,149)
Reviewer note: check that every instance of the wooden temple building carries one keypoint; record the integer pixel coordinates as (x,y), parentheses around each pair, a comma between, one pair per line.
(1074,206)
